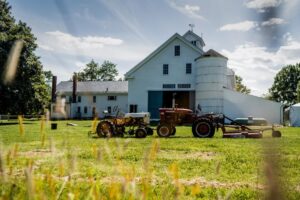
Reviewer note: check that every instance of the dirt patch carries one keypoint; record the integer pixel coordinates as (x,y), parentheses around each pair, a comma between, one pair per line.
(180,155)
(216,184)
(38,153)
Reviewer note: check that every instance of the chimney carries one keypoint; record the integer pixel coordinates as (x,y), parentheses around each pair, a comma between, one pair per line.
(74,89)
(53,95)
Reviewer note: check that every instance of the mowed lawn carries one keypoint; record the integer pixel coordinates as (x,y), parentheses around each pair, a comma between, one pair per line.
(67,164)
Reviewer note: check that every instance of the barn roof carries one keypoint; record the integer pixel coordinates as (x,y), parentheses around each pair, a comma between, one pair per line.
(94,87)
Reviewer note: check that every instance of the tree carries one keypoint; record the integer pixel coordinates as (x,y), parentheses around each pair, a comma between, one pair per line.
(284,88)
(108,71)
(27,93)
(93,72)
(240,87)
(298,92)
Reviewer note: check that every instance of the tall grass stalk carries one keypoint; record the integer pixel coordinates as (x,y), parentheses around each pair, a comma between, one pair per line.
(21,125)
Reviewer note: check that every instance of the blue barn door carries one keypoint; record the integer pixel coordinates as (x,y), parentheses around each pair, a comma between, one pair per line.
(155,101)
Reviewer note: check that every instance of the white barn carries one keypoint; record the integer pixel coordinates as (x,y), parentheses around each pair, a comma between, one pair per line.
(180,70)
(91,98)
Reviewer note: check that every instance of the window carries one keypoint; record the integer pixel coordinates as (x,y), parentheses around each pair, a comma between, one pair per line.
(133,108)
(79,99)
(85,110)
(169,86)
(184,85)
(94,99)
(111,98)
(78,109)
(194,42)
(165,69)
(109,109)
(188,68)
(177,50)
(70,99)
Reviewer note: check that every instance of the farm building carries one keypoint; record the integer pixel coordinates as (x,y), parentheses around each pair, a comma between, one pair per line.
(90,98)
(180,73)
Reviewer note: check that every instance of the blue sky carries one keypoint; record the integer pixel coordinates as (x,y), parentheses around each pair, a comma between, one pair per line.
(258,36)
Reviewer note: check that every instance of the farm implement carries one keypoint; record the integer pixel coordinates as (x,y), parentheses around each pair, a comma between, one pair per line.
(204,126)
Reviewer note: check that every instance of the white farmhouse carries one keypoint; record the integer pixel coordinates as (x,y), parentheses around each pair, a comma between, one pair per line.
(180,73)
(90,98)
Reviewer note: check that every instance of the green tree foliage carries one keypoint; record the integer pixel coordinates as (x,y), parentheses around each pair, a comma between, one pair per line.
(298,92)
(108,71)
(93,72)
(284,88)
(27,94)
(240,87)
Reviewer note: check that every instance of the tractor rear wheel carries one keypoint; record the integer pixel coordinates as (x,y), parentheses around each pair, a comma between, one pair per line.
(164,130)
(203,128)
(140,133)
(105,129)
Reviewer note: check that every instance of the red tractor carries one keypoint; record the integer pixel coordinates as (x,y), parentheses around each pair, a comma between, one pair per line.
(203,126)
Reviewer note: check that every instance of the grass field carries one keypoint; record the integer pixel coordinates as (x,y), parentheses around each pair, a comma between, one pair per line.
(39,163)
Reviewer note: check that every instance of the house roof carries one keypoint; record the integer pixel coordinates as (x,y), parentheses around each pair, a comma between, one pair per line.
(94,87)
(211,53)
(197,36)
(159,49)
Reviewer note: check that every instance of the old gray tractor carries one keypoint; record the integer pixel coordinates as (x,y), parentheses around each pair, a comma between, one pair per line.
(131,123)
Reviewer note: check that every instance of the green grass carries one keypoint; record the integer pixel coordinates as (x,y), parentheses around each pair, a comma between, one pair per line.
(66,163)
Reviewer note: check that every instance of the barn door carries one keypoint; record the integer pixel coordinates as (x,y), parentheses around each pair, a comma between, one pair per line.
(155,100)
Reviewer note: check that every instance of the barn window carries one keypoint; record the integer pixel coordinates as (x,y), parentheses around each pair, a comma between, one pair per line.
(133,108)
(167,86)
(177,50)
(188,68)
(111,98)
(165,69)
(184,85)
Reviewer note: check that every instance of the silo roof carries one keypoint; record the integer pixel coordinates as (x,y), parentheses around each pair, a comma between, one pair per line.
(211,53)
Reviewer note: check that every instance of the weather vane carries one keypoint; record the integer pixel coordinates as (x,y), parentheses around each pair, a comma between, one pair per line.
(192,26)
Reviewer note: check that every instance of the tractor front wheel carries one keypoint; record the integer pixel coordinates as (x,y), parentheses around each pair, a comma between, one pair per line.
(203,128)
(164,130)
(149,131)
(173,132)
(140,133)
(105,129)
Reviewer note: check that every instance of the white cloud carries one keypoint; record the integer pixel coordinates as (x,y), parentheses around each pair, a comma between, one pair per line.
(273,21)
(64,53)
(241,26)
(191,11)
(258,66)
(262,4)
(96,47)
(191,8)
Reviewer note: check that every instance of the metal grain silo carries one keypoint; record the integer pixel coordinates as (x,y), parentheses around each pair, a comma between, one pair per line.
(211,71)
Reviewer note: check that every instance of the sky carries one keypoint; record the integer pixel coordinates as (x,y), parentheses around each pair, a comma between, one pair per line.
(258,36)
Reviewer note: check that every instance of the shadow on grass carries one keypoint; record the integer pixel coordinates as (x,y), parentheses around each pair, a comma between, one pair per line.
(12,123)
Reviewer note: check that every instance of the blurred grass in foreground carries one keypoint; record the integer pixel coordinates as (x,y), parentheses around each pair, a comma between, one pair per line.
(67,164)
